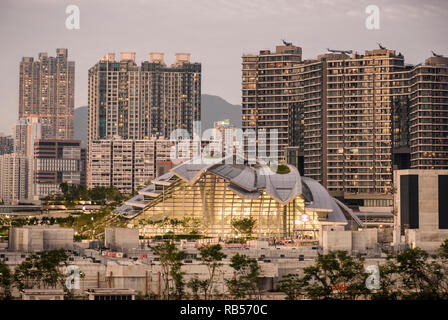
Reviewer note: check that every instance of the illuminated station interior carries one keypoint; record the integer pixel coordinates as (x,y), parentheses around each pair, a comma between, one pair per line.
(209,194)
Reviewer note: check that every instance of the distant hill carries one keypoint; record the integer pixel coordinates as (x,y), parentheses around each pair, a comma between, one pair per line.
(213,109)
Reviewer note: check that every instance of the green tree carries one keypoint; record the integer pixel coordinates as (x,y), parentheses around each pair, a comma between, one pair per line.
(388,281)
(39,269)
(245,282)
(421,275)
(64,189)
(5,281)
(193,225)
(196,286)
(244,226)
(211,256)
(171,262)
(292,285)
(335,275)
(443,250)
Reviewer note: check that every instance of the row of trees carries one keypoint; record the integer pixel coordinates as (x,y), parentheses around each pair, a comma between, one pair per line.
(38,270)
(70,194)
(411,275)
(243,284)
(190,227)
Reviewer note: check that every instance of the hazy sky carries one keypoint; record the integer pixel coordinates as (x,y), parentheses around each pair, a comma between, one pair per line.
(215,32)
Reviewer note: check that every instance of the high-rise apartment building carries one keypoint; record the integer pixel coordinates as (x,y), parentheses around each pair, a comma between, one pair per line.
(26,131)
(269,92)
(14,178)
(136,102)
(223,140)
(55,162)
(6,144)
(131,102)
(428,114)
(353,118)
(125,163)
(46,90)
(346,103)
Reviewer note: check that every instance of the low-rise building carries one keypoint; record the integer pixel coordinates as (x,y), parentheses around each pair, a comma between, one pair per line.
(55,162)
(127,165)
(421,208)
(43,294)
(40,238)
(110,294)
(14,178)
(121,238)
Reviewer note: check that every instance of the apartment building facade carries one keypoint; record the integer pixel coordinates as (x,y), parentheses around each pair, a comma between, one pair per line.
(46,90)
(136,102)
(346,103)
(127,164)
(14,178)
(428,114)
(354,118)
(269,93)
(55,162)
(6,144)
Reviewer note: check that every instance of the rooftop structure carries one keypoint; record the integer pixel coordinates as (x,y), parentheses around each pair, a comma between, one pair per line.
(40,238)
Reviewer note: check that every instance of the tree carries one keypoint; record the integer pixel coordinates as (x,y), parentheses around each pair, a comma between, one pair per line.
(411,275)
(244,226)
(193,225)
(388,281)
(211,256)
(335,275)
(5,281)
(245,282)
(171,262)
(196,286)
(292,285)
(421,275)
(64,189)
(43,268)
(443,250)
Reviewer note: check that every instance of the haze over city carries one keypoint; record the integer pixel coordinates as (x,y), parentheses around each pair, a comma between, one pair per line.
(216,33)
(231,156)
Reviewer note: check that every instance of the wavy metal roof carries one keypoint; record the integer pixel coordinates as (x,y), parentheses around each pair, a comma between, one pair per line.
(321,199)
(192,170)
(137,201)
(283,187)
(350,215)
(164,179)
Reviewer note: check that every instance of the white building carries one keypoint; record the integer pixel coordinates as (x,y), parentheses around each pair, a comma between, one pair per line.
(126,164)
(14,178)
(26,132)
(40,238)
(421,208)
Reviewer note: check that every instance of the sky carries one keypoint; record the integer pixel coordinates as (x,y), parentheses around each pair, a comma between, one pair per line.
(215,32)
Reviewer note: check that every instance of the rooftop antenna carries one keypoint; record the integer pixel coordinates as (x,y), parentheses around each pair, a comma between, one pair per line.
(381,47)
(286,43)
(436,55)
(340,51)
